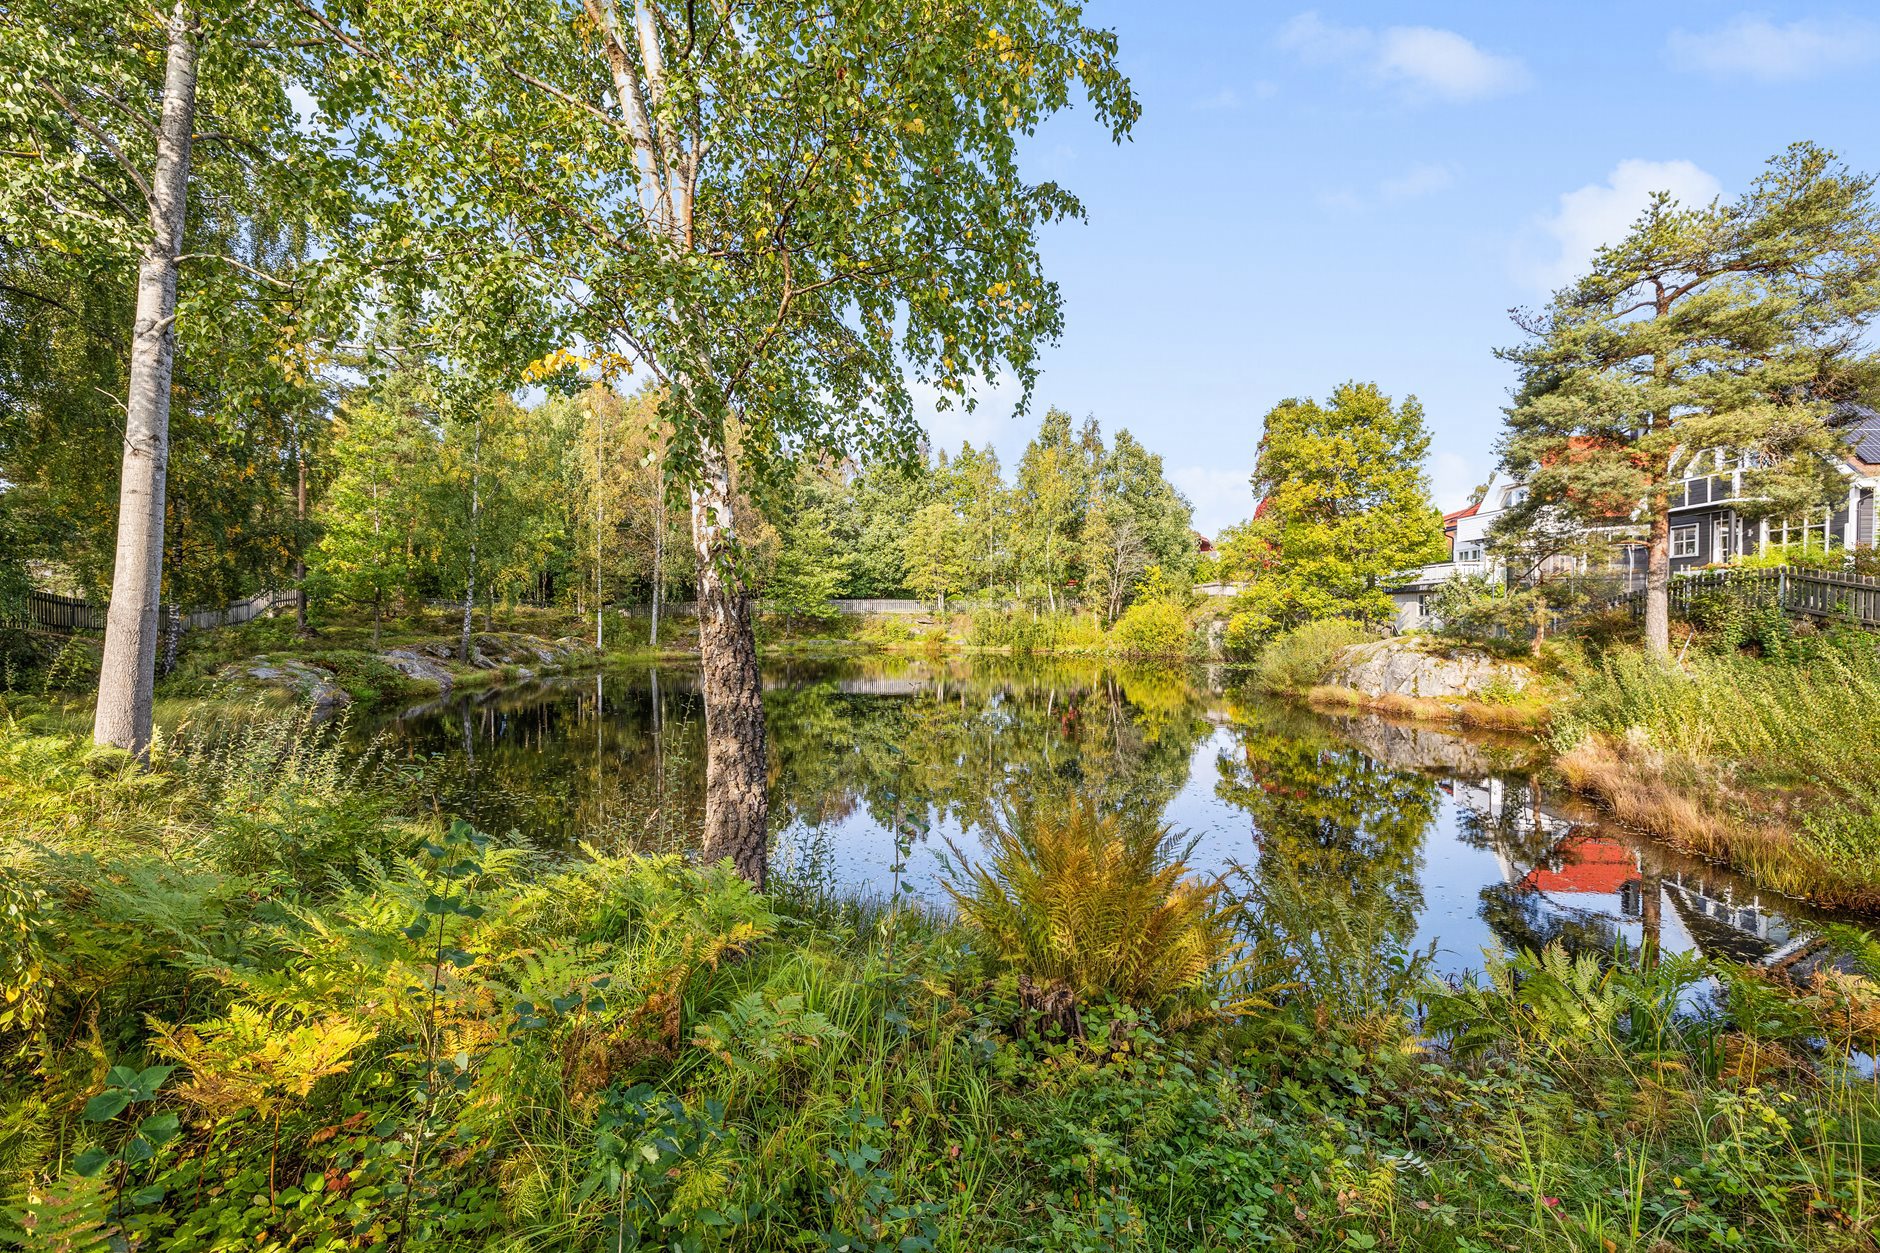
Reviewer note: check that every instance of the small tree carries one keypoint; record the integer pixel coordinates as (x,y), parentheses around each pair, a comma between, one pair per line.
(1721,326)
(935,551)
(1345,510)
(383,466)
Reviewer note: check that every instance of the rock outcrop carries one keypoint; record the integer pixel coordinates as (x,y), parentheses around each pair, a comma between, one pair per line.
(492,650)
(306,683)
(1412,666)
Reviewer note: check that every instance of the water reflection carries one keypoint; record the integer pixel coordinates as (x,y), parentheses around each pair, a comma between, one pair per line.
(1403,839)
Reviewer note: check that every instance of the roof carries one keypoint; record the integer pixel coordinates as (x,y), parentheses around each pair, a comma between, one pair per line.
(1587,865)
(1463,513)
(1859,426)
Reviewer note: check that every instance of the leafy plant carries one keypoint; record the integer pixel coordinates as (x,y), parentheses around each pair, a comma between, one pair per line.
(1097,903)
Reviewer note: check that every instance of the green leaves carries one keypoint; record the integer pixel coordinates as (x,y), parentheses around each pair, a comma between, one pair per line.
(126,1087)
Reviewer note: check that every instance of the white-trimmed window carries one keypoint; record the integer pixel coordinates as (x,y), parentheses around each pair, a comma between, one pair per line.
(1684,541)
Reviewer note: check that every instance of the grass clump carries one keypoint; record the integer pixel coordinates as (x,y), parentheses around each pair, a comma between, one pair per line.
(1772,755)
(1300,659)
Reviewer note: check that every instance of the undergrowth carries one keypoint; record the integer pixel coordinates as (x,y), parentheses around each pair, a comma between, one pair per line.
(401,1034)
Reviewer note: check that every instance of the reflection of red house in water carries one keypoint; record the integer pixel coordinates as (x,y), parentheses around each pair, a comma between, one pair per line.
(1584,864)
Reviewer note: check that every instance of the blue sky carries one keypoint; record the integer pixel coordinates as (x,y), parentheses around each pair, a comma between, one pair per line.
(1364,190)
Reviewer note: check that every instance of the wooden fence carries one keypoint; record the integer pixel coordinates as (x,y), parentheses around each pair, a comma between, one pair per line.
(1826,594)
(68,615)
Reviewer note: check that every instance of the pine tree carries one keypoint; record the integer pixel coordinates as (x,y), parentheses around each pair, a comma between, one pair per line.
(1723,326)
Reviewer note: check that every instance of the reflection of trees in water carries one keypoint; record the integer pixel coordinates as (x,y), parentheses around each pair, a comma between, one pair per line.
(566,762)
(910,743)
(1340,837)
(976,737)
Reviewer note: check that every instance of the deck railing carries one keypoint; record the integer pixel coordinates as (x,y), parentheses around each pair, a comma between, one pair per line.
(1830,595)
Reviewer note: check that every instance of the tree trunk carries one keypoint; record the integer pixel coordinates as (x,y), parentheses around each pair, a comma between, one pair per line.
(1540,617)
(1658,584)
(470,570)
(600,514)
(659,549)
(737,807)
(300,541)
(128,672)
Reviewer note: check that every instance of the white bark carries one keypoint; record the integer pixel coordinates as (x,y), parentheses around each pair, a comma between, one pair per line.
(128,672)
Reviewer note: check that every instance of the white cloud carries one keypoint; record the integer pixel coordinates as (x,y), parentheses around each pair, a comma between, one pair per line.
(1423,60)
(1600,213)
(1413,184)
(1755,47)
(1221,101)
(1220,497)
(1416,182)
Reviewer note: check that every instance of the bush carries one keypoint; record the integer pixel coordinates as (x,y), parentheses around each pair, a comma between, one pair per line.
(1024,631)
(1152,628)
(1096,903)
(1301,658)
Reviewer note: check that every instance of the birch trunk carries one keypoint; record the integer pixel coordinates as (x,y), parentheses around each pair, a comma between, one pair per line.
(300,542)
(737,804)
(470,571)
(128,671)
(659,550)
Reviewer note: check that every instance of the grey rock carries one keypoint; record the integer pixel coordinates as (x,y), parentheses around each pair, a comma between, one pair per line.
(415,664)
(1414,667)
(305,682)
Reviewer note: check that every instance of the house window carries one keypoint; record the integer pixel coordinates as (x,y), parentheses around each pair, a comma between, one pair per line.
(1513,496)
(1726,541)
(1469,552)
(1684,541)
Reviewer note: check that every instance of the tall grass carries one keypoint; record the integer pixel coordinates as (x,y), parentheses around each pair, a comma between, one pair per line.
(1729,723)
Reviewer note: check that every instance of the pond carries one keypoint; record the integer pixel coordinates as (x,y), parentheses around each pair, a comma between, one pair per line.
(1436,840)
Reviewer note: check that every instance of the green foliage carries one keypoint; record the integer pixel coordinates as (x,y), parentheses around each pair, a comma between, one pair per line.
(1155,627)
(1301,658)
(1708,327)
(1345,512)
(462,1043)
(1095,902)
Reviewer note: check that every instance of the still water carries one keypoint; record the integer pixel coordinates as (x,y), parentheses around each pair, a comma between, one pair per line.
(1446,842)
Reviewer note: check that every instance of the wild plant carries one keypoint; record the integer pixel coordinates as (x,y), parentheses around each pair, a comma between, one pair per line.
(1095,902)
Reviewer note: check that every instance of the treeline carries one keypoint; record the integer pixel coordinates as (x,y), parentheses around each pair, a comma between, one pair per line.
(570,501)
(390,496)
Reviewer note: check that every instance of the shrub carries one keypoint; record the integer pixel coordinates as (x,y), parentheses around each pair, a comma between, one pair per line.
(1097,903)
(1152,628)
(1302,657)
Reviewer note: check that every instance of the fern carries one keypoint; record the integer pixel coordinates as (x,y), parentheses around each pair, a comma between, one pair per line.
(1088,900)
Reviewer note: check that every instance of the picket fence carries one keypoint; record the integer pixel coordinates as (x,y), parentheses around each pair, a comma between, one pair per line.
(69,615)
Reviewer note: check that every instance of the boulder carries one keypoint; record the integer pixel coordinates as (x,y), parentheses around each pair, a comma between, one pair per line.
(414,664)
(307,683)
(1415,667)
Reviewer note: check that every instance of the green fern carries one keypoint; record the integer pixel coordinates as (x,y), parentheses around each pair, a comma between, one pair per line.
(1089,900)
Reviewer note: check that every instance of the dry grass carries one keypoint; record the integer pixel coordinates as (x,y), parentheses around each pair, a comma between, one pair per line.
(1522,715)
(1702,818)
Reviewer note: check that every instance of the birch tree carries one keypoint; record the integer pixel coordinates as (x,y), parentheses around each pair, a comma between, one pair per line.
(781,212)
(105,109)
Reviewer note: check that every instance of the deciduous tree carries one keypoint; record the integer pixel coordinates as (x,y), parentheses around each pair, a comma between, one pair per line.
(1345,509)
(778,211)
